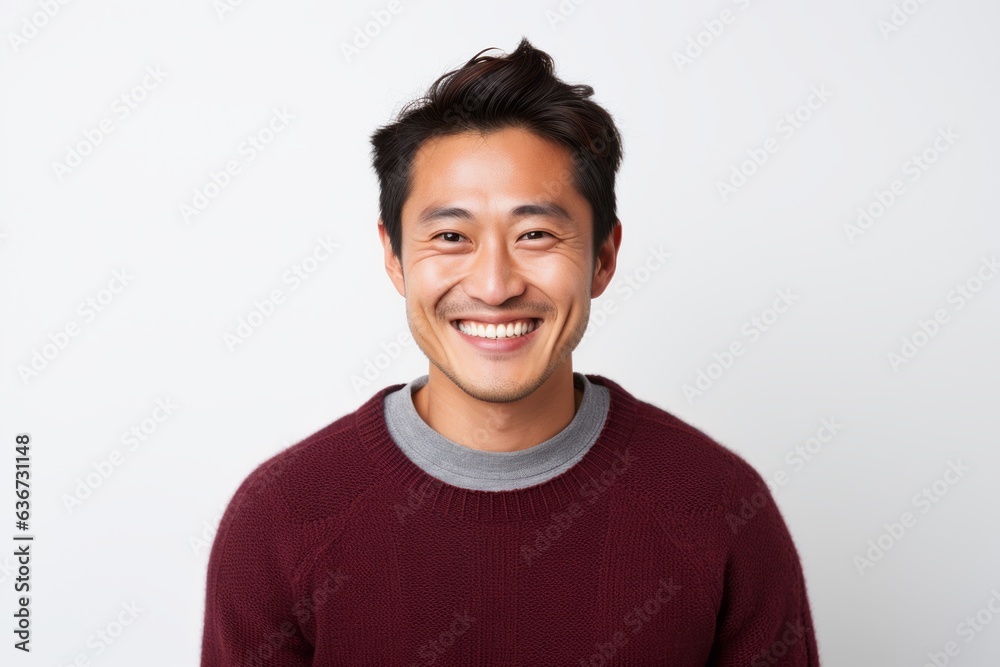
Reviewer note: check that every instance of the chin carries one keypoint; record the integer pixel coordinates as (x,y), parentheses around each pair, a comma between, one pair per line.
(502,388)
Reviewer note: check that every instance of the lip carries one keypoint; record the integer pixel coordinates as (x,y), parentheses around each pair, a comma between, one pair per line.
(499,344)
(496,319)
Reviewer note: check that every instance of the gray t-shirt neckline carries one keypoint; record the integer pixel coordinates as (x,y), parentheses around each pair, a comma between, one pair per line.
(469,468)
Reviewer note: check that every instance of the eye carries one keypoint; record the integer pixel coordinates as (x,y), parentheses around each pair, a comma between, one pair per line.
(453,234)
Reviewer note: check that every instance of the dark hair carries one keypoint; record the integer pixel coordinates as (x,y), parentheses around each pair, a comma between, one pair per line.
(493,93)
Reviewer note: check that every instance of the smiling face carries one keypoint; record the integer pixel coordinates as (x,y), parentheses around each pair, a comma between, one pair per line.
(494,234)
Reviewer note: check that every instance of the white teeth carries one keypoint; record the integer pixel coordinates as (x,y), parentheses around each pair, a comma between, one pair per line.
(510,330)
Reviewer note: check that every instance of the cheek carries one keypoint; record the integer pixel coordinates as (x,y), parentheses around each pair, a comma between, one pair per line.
(427,282)
(557,276)
(435,273)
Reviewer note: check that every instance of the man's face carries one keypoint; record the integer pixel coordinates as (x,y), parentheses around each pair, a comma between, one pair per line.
(493,231)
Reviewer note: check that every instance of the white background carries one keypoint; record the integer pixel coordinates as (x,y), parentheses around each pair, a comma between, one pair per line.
(142,535)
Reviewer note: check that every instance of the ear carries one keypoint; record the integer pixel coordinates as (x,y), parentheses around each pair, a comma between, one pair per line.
(392,265)
(607,261)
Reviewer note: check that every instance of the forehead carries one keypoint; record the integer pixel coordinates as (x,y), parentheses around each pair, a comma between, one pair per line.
(513,160)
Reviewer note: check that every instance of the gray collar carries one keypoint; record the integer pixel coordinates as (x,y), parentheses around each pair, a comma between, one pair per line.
(469,468)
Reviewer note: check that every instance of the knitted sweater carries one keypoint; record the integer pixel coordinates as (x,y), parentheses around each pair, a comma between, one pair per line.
(658,547)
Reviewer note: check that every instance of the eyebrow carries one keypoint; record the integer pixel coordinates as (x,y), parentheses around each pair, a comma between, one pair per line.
(546,208)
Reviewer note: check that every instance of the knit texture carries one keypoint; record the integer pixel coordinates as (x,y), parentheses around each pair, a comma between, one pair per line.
(659,547)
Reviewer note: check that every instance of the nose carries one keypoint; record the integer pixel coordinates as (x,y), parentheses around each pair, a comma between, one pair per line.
(493,275)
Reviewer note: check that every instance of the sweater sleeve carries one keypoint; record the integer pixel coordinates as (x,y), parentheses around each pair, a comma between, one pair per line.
(764,619)
(250,605)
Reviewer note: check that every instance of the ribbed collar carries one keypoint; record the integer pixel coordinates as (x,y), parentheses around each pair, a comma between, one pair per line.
(481,470)
(425,492)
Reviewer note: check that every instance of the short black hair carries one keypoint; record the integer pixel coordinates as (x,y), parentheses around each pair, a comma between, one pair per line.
(492,93)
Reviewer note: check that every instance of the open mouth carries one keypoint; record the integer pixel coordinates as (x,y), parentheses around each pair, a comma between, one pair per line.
(513,329)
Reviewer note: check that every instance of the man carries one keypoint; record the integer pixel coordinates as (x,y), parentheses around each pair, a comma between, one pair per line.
(504,509)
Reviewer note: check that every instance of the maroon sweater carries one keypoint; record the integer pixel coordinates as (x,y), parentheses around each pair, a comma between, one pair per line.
(659,547)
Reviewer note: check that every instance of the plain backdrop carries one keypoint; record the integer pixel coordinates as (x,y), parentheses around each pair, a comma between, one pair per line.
(842,154)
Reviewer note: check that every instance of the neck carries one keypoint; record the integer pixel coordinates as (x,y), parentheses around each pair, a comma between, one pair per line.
(498,427)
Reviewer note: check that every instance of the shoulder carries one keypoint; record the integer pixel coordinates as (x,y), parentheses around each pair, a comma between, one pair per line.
(289,504)
(318,476)
(678,464)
